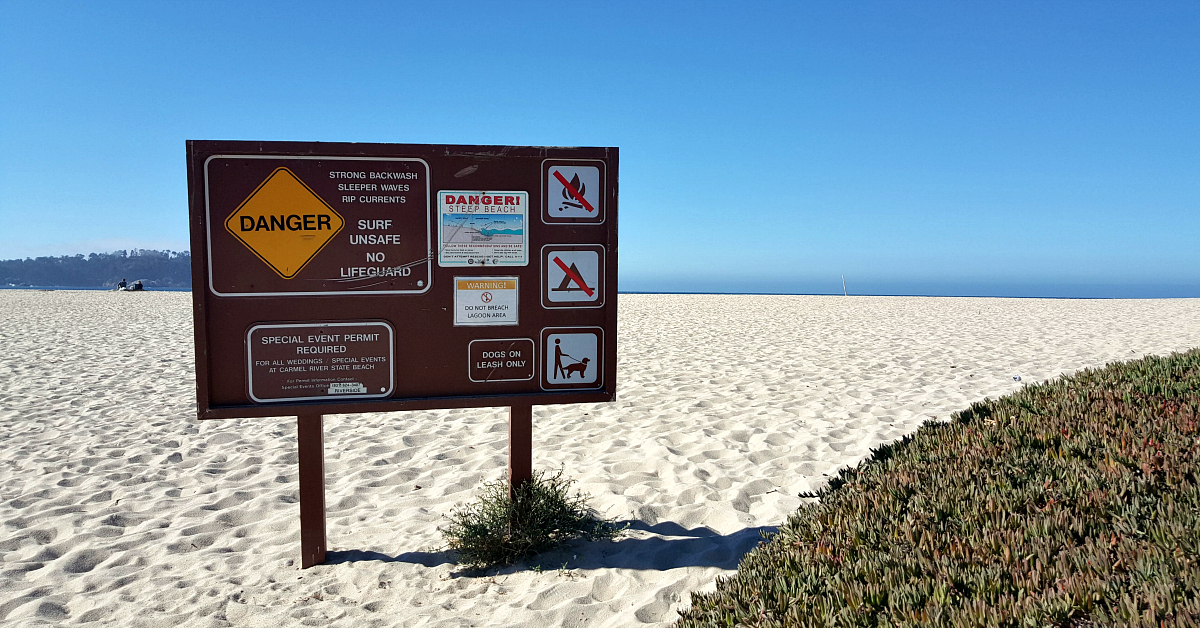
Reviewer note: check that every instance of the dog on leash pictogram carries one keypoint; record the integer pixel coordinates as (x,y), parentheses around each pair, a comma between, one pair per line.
(579,366)
(572,358)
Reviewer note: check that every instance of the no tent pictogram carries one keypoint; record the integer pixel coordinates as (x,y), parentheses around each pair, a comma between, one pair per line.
(572,281)
(572,276)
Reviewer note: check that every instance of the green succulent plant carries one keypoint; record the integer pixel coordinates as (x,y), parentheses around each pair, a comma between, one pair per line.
(1072,502)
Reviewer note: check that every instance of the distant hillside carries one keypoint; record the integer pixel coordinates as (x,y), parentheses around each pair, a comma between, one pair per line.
(156,269)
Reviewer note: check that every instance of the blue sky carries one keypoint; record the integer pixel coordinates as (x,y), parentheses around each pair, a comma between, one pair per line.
(926,148)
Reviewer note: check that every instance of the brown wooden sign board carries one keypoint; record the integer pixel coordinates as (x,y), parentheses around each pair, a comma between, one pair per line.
(333,278)
(340,277)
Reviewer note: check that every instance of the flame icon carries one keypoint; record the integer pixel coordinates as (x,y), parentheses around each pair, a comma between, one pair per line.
(579,187)
(566,194)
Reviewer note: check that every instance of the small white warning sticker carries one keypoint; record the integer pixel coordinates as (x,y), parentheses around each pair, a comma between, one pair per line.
(346,388)
(485,301)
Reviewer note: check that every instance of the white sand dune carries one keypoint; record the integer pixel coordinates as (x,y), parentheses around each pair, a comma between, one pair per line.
(118,507)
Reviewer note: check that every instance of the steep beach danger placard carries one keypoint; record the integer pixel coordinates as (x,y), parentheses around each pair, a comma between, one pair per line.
(481,228)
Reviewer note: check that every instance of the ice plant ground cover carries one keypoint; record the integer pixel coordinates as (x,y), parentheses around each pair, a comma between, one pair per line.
(1072,502)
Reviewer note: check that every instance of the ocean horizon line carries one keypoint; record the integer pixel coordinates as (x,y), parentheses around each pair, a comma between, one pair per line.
(724,293)
(927,296)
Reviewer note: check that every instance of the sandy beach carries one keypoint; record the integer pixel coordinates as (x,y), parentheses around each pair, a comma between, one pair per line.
(119,507)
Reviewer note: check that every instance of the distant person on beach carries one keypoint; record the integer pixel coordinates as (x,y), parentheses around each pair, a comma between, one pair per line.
(122,284)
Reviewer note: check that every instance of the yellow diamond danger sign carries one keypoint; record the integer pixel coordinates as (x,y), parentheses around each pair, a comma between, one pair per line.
(284,223)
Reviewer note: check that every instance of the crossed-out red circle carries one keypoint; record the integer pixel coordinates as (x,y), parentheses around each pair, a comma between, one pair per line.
(486,297)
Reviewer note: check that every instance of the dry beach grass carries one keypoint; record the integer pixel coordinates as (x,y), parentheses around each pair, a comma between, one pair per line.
(118,506)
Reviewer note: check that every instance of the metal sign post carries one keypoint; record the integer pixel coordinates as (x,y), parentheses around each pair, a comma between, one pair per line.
(310,441)
(520,447)
(337,278)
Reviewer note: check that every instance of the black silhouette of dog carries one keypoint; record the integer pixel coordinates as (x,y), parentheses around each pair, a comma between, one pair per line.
(580,366)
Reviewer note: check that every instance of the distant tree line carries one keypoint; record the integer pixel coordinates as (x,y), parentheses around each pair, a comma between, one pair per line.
(155,269)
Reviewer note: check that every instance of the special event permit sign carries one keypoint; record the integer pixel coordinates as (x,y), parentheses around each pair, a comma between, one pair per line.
(320,361)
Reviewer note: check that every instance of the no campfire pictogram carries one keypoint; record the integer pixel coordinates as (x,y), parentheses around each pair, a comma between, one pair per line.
(574,192)
(572,276)
(575,189)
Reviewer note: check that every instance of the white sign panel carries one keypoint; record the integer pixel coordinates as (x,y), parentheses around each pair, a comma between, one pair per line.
(571,275)
(572,359)
(485,301)
(573,192)
(482,228)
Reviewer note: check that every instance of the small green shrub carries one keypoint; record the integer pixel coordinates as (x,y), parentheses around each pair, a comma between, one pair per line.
(496,530)
(1073,502)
